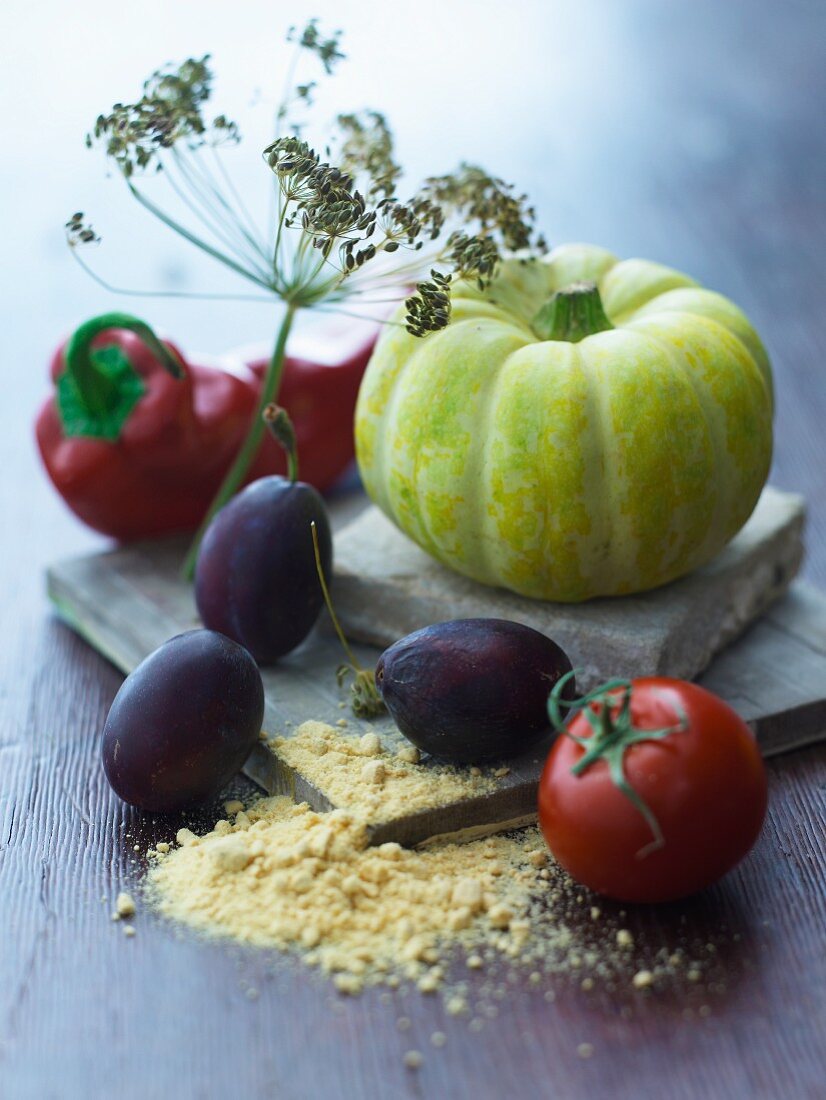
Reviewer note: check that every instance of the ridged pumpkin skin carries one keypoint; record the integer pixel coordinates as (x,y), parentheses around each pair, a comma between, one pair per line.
(566,470)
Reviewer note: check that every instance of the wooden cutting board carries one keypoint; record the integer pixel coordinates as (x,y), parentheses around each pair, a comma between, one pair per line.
(128,601)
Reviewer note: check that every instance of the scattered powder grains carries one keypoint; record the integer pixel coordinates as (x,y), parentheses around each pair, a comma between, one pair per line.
(360,776)
(280,875)
(369,745)
(124,906)
(409,753)
(283,876)
(287,877)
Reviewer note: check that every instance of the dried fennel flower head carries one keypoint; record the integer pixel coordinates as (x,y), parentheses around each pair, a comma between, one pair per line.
(342,227)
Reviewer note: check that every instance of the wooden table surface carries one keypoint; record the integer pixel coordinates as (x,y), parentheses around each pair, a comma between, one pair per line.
(712,156)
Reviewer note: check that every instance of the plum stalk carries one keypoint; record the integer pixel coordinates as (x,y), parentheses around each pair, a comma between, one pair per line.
(365,698)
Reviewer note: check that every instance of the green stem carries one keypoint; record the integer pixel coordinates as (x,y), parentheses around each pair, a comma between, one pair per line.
(612,734)
(572,313)
(96,388)
(365,699)
(345,645)
(238,470)
(100,387)
(197,241)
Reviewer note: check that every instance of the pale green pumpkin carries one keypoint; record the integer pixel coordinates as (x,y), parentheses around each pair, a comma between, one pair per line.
(620,453)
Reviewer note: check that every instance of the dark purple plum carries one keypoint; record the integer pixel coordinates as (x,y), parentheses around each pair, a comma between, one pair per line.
(472,690)
(183,722)
(256,578)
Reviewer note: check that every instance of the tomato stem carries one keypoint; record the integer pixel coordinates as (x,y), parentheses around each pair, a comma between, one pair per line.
(613,733)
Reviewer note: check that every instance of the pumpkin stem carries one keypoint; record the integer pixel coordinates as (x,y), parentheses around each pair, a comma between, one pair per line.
(571,314)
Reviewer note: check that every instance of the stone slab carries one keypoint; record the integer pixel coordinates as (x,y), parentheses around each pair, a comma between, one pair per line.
(385,587)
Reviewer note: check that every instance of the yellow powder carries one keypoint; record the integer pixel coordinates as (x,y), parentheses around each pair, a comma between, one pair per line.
(290,878)
(361,776)
(643,979)
(280,875)
(124,906)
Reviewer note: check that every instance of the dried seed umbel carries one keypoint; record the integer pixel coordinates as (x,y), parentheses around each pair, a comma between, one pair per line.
(344,205)
(342,228)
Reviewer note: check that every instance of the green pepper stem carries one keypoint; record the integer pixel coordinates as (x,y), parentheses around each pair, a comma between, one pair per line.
(94,386)
(571,314)
(249,448)
(99,387)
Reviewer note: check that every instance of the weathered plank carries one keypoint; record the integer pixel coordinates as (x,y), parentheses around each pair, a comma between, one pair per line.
(128,601)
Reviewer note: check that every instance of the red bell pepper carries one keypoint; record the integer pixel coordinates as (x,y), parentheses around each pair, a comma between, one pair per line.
(135,439)
(136,452)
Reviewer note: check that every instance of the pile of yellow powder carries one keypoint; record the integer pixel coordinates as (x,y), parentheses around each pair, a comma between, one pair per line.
(284,876)
(362,776)
(280,875)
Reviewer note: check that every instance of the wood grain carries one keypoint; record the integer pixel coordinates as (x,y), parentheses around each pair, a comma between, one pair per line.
(711,155)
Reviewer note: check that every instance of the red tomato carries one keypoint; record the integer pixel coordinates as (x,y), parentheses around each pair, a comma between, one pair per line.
(704,784)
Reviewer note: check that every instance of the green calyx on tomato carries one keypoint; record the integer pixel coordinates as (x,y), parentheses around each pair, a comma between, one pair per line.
(705,785)
(609,717)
